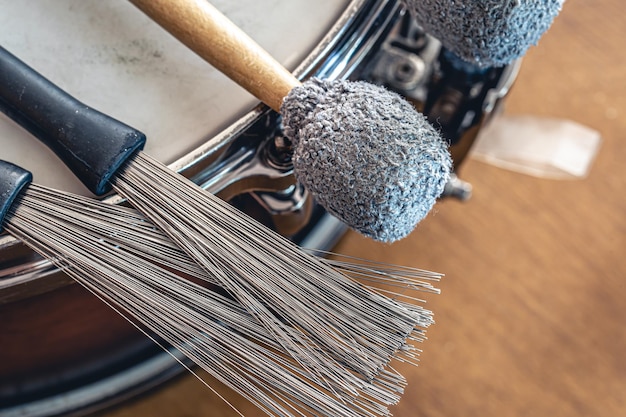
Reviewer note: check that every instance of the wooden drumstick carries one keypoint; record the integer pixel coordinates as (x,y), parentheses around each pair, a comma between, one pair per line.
(211,35)
(365,154)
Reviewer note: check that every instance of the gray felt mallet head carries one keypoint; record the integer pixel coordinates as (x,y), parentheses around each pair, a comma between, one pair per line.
(365,154)
(488,33)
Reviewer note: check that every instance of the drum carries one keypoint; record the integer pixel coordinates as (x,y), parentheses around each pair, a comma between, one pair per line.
(64,351)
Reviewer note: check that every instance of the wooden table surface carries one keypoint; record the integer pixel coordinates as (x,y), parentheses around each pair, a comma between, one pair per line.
(531,320)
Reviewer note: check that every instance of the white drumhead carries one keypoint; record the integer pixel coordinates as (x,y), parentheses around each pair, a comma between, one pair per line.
(113,58)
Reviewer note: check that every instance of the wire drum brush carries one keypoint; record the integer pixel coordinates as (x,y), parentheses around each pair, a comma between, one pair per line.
(365,154)
(116,253)
(344,328)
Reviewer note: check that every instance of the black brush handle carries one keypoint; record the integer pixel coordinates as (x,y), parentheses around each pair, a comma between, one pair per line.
(92,144)
(13,179)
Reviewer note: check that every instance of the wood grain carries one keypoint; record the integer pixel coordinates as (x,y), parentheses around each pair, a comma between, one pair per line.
(532,315)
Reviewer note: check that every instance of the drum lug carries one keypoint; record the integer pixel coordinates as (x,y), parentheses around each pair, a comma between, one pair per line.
(289,209)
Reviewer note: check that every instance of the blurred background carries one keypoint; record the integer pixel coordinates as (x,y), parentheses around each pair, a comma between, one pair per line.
(531,316)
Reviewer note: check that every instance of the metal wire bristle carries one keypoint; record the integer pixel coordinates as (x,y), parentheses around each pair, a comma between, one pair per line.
(219,335)
(278,283)
(130,227)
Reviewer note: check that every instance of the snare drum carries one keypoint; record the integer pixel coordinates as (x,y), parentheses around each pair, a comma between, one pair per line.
(63,350)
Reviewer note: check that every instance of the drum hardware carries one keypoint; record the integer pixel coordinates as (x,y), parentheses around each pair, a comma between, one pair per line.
(280,151)
(258,163)
(289,209)
(252,162)
(405,61)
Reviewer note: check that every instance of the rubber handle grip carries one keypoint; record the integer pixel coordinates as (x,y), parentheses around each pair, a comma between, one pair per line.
(92,144)
(12,180)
